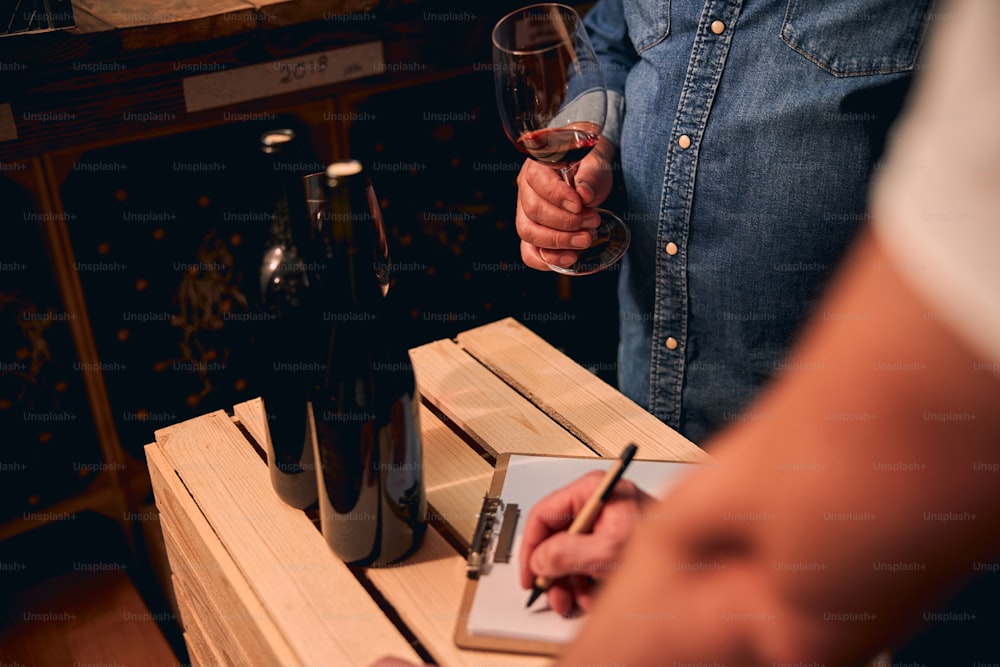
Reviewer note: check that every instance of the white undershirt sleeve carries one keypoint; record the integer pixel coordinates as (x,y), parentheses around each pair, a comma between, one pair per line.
(936,203)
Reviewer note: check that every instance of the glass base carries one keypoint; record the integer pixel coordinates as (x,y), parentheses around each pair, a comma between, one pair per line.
(611,240)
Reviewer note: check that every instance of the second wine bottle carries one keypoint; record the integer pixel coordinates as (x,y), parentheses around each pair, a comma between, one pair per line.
(366,406)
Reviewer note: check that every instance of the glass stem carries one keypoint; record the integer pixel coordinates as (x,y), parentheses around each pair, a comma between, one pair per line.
(569,174)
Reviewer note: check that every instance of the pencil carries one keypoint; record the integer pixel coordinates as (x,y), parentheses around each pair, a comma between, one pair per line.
(584,521)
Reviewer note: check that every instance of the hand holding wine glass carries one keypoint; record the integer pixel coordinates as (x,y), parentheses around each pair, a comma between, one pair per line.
(553,103)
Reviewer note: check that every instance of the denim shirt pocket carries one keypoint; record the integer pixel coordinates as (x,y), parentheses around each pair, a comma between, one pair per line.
(648,22)
(857,37)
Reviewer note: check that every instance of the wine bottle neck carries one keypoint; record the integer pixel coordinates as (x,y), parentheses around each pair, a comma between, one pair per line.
(348,235)
(287,158)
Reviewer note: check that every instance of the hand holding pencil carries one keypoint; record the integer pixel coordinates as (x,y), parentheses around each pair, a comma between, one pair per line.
(573,537)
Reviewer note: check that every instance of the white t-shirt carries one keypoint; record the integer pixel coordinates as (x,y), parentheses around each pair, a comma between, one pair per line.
(936,204)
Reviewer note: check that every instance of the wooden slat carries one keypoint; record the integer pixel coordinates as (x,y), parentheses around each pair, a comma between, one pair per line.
(481,405)
(195,656)
(143,24)
(591,409)
(455,476)
(87,23)
(149,13)
(197,557)
(278,13)
(229,627)
(313,598)
(426,591)
(250,415)
(466,383)
(198,643)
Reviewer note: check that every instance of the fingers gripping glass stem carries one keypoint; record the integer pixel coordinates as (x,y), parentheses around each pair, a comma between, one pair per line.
(610,238)
(553,103)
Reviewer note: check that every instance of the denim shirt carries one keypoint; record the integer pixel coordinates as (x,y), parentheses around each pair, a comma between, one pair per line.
(747,130)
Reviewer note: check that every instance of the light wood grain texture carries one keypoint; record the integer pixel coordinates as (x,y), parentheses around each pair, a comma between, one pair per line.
(229,629)
(493,389)
(455,476)
(202,563)
(595,412)
(314,600)
(250,415)
(195,656)
(196,638)
(482,406)
(426,591)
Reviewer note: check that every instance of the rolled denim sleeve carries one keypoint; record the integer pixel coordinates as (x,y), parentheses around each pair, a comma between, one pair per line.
(606,26)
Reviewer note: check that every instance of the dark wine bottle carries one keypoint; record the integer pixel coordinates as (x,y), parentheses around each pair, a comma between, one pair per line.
(286,346)
(371,491)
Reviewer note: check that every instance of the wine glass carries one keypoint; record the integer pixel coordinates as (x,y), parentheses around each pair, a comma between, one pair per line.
(553,103)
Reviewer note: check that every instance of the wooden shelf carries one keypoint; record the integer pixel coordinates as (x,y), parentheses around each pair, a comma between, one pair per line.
(123,75)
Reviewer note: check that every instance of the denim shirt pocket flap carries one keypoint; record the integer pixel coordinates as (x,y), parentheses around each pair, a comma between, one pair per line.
(648,22)
(857,37)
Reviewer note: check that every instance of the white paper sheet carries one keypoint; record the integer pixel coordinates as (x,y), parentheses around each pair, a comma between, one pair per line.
(498,609)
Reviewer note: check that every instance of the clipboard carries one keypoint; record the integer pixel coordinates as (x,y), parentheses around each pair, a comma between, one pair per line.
(492,615)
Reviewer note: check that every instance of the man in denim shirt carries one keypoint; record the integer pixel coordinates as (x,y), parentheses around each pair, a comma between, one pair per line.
(747,132)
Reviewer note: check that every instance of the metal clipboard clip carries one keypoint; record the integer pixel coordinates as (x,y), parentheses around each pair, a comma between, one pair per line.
(493,537)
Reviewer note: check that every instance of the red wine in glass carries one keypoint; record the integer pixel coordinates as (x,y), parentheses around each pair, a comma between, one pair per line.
(559,146)
(553,104)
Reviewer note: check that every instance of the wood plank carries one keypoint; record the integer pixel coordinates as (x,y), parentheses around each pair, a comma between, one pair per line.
(481,405)
(455,476)
(197,557)
(279,13)
(87,23)
(194,657)
(155,12)
(250,415)
(426,591)
(313,598)
(230,627)
(591,409)
(144,24)
(197,640)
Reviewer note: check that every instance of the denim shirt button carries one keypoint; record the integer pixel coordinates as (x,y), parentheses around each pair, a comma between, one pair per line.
(671,248)
(718,27)
(684,141)
(671,343)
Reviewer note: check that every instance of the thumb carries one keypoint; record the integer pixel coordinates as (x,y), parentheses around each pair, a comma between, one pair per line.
(564,554)
(594,177)
(593,181)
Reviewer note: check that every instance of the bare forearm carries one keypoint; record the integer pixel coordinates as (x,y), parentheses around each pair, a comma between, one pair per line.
(819,525)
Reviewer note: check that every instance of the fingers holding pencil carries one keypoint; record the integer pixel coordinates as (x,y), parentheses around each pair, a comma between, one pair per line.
(574,535)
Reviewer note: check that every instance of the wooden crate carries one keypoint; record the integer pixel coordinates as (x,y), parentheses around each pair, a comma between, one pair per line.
(256,582)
